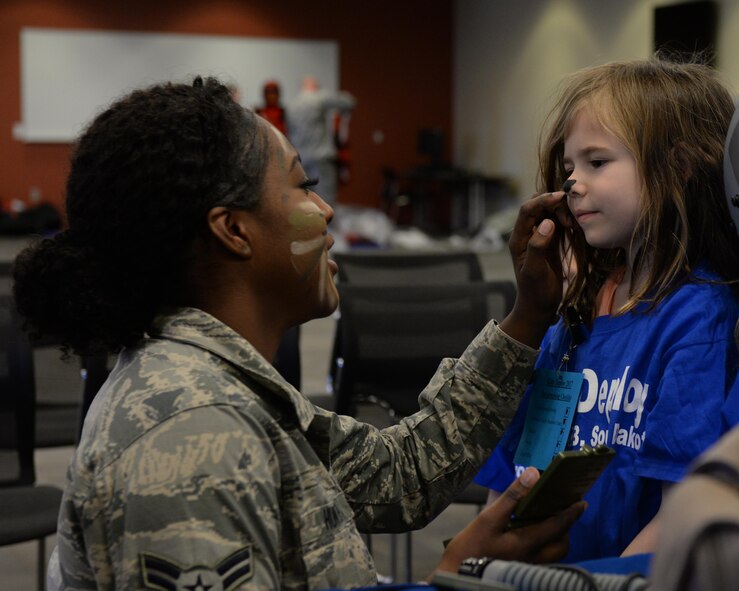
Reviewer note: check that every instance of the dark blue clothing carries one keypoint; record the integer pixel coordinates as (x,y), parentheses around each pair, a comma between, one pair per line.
(655,389)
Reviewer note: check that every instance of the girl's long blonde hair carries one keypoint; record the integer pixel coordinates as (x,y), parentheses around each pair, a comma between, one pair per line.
(673,118)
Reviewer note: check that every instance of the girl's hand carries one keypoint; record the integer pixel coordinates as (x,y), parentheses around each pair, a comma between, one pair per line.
(538,266)
(488,535)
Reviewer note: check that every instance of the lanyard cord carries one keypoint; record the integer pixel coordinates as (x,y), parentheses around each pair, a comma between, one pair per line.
(577,333)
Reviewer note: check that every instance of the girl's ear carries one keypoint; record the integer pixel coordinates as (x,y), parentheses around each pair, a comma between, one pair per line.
(231,230)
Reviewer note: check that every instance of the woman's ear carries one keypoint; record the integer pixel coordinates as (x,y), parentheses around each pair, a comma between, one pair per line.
(231,230)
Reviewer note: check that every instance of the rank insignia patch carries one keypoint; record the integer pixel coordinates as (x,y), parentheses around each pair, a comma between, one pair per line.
(160,573)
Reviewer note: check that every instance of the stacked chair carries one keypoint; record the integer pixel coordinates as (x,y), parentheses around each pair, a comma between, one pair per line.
(400,315)
(43,401)
(27,511)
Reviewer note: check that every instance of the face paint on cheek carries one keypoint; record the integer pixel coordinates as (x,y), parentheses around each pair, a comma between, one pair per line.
(322,275)
(308,238)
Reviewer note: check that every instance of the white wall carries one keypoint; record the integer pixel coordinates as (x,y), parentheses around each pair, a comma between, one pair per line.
(86,70)
(510,56)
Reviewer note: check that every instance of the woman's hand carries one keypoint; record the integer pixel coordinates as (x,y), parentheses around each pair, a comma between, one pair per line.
(487,534)
(537,263)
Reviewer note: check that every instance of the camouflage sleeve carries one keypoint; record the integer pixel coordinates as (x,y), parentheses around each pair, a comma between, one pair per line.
(192,503)
(403,476)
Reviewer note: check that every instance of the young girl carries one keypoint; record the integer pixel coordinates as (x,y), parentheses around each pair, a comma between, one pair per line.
(655,286)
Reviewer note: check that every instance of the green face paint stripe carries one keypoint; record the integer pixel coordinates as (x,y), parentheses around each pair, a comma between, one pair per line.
(302,220)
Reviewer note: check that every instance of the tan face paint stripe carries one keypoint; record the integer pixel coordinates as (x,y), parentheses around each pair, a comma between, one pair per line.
(305,269)
(300,247)
(322,279)
(308,230)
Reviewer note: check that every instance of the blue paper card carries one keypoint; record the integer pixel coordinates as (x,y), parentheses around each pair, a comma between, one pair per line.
(552,405)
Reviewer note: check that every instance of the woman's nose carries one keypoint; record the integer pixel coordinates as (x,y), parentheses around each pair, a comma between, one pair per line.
(327,210)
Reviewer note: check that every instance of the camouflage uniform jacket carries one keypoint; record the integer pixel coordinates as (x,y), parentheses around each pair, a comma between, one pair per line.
(199,465)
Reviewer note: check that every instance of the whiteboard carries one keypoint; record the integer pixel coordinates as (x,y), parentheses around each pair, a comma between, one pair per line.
(69,76)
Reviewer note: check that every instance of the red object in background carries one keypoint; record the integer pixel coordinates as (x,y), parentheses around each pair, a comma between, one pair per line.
(343,152)
(272,111)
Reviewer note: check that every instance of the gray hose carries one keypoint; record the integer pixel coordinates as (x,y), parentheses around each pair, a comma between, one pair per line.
(529,577)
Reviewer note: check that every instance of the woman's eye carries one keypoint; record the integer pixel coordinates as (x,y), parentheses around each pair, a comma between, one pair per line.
(308,184)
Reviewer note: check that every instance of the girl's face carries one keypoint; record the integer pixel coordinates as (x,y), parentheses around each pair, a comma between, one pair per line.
(606,197)
(294,239)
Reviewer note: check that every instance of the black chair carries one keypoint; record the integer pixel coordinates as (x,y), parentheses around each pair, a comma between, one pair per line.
(6,277)
(394,337)
(399,268)
(27,511)
(94,371)
(59,391)
(394,268)
(64,388)
(383,268)
(287,361)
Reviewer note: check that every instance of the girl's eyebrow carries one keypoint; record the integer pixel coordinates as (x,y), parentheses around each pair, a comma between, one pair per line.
(586,151)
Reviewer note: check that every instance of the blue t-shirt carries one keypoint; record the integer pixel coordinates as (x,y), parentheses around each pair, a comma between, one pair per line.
(657,388)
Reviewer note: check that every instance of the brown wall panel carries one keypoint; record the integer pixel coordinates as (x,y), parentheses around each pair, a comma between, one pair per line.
(395,57)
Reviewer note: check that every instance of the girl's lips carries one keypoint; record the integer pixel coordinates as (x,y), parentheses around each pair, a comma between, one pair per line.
(584,216)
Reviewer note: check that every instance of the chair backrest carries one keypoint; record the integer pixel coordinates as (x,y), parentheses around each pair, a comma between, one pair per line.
(17,400)
(287,360)
(94,371)
(62,388)
(394,337)
(399,268)
(393,268)
(6,277)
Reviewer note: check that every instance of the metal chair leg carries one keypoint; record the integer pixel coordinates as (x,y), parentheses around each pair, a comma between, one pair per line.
(41,566)
(408,558)
(394,557)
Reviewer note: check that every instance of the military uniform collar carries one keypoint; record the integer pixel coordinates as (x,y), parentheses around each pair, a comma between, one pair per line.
(200,329)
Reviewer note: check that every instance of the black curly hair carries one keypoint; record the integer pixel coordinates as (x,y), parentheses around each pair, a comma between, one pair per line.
(143,177)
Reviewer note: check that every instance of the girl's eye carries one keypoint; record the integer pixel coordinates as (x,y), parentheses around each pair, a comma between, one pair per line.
(308,184)
(597,163)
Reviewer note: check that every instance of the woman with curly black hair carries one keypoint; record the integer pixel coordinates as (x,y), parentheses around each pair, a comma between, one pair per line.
(195,241)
